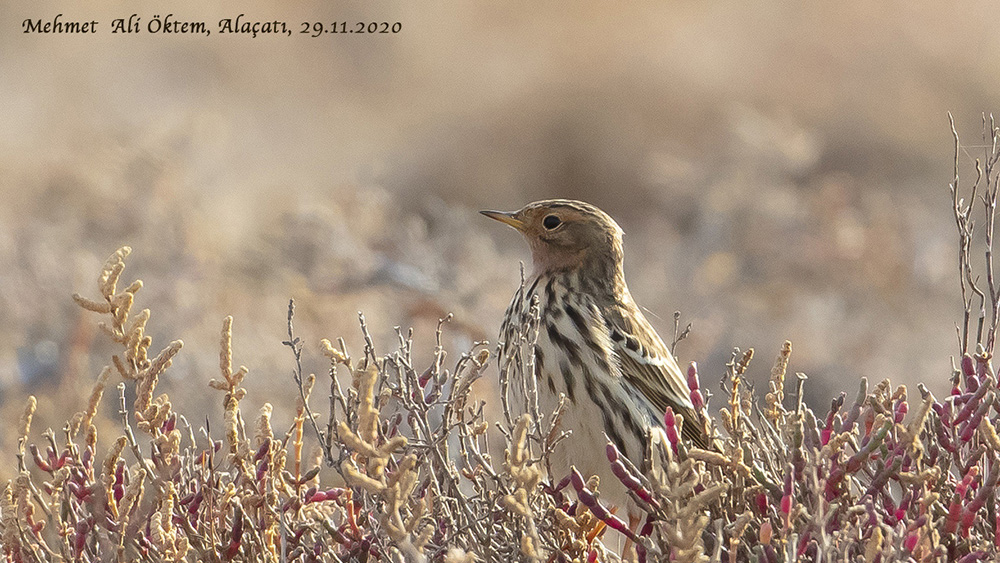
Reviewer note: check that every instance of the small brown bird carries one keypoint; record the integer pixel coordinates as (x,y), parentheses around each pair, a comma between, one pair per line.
(594,344)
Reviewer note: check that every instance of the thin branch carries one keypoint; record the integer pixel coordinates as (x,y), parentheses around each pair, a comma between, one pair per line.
(295,345)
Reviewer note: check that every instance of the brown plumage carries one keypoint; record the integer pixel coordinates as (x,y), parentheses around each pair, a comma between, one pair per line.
(595,346)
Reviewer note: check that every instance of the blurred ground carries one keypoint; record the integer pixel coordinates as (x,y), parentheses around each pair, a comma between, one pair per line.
(780,171)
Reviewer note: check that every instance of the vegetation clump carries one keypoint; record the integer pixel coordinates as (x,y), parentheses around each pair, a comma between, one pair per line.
(411,468)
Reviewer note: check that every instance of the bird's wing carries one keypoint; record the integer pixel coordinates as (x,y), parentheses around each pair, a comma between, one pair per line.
(648,365)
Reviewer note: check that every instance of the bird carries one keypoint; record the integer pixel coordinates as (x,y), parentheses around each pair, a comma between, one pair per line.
(594,345)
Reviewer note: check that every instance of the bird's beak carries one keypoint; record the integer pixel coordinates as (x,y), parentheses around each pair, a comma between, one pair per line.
(505,217)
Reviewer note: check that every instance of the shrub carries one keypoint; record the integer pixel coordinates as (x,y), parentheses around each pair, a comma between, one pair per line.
(420,473)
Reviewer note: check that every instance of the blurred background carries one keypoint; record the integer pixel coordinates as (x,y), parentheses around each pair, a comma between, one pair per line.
(780,171)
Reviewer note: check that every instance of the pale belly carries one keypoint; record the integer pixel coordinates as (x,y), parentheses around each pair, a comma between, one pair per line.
(591,424)
(574,358)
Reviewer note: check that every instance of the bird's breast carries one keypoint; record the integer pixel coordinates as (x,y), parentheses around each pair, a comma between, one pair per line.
(574,358)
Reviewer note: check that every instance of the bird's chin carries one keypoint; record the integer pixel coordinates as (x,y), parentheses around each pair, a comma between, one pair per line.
(549,260)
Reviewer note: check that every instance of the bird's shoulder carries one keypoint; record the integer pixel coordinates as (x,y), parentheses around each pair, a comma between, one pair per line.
(649,365)
(645,360)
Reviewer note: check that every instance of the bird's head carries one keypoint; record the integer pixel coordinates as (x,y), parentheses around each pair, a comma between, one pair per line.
(565,234)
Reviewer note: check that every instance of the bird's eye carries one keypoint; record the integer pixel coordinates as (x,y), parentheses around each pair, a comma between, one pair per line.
(550,222)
